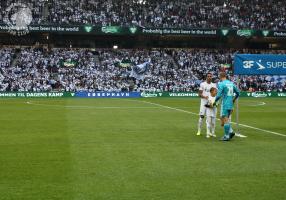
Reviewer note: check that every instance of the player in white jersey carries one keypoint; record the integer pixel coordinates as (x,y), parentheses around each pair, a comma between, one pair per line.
(204,93)
(211,113)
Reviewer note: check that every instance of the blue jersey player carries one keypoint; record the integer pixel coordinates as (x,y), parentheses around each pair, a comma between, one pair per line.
(229,93)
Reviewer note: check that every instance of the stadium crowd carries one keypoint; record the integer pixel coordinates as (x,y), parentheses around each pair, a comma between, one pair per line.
(255,14)
(31,69)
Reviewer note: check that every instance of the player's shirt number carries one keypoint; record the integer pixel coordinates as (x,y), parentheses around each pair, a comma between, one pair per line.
(230,91)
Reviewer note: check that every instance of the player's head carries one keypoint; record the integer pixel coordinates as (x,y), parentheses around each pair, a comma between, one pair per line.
(213,91)
(222,75)
(209,77)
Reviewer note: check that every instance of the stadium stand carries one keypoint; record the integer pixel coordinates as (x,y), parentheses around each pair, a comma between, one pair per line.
(254,14)
(32,69)
(66,69)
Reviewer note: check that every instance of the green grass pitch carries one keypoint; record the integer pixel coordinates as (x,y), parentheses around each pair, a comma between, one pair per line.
(116,149)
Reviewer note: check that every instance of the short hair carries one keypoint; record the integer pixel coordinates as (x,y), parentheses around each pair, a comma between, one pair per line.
(213,89)
(222,75)
(209,73)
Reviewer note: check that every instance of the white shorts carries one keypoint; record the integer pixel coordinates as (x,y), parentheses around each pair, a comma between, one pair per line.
(211,112)
(203,109)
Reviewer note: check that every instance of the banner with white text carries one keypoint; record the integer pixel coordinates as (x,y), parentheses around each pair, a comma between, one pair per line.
(259,64)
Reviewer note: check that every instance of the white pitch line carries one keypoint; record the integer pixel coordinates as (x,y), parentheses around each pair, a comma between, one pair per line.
(95,107)
(259,104)
(185,111)
(156,104)
(259,129)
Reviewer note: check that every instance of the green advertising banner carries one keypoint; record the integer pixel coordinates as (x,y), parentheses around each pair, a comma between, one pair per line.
(176,31)
(84,29)
(36,94)
(143,94)
(223,32)
(194,94)
(263,94)
(169,94)
(132,30)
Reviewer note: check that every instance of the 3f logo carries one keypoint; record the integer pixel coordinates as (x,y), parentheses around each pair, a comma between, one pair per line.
(248,64)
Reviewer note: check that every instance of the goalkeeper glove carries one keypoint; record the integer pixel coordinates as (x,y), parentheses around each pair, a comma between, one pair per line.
(214,104)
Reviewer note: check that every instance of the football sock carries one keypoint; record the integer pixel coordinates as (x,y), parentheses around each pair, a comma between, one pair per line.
(213,124)
(200,124)
(209,124)
(226,129)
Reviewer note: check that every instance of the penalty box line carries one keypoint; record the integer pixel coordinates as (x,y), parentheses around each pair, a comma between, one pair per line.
(189,112)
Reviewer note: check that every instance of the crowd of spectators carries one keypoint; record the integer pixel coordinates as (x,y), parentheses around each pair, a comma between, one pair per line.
(254,14)
(31,69)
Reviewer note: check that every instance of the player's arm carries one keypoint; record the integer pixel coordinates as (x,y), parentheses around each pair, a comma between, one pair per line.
(201,92)
(219,94)
(236,92)
(201,95)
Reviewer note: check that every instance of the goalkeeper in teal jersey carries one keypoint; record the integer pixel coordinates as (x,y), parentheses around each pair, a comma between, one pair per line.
(226,91)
